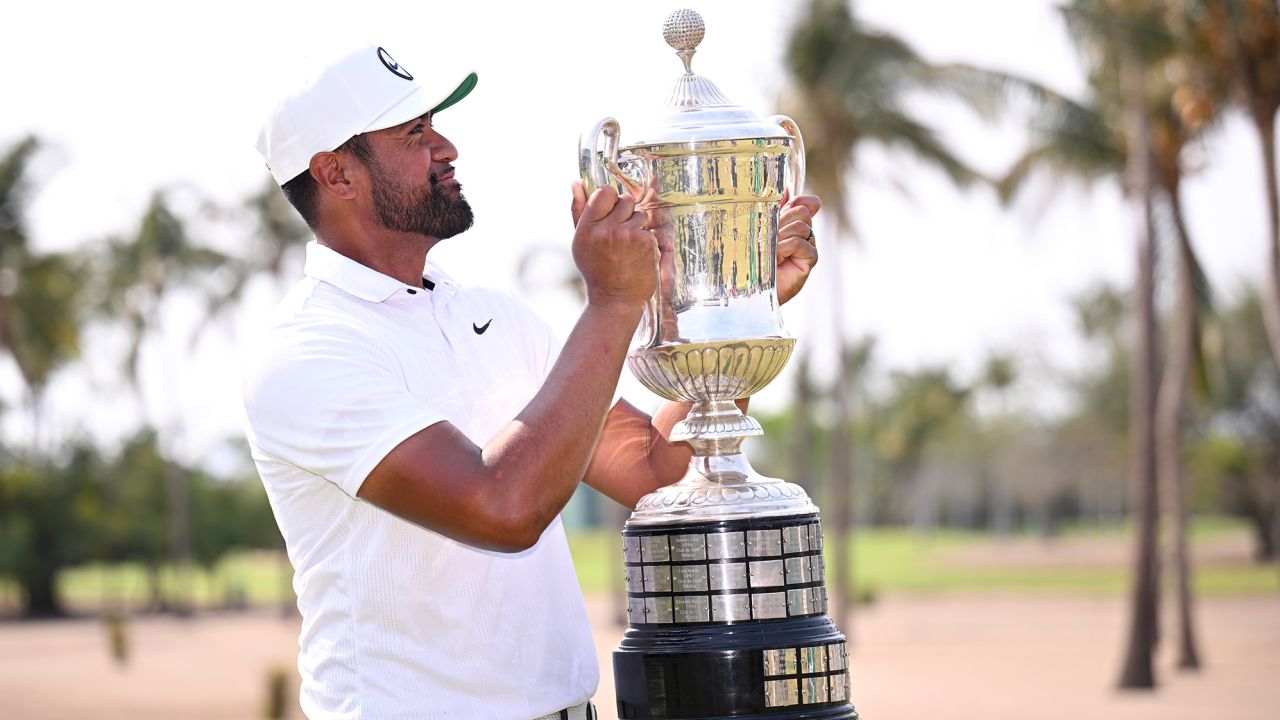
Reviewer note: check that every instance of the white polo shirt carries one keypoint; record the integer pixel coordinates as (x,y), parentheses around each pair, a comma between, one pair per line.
(400,622)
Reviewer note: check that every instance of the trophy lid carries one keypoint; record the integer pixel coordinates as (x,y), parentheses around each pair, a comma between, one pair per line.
(696,110)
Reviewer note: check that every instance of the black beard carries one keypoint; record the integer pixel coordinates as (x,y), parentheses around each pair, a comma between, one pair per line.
(435,212)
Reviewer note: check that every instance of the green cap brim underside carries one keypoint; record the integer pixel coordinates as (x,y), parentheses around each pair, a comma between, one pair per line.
(464,88)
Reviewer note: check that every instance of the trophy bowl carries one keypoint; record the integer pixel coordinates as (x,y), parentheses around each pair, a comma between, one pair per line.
(713,178)
(726,593)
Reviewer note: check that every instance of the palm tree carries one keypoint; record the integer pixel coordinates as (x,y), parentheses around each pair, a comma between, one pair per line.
(1149,88)
(40,294)
(1244,37)
(140,272)
(849,86)
(1253,28)
(999,374)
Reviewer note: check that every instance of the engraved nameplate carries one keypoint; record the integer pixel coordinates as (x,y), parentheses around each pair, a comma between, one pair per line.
(768,606)
(767,573)
(764,543)
(839,687)
(837,655)
(813,690)
(654,548)
(779,693)
(689,578)
(631,549)
(635,580)
(691,609)
(798,570)
(801,601)
(730,608)
(780,662)
(728,576)
(721,546)
(795,539)
(688,547)
(657,578)
(813,659)
(657,610)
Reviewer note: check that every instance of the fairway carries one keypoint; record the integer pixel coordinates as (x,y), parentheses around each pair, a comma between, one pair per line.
(886,562)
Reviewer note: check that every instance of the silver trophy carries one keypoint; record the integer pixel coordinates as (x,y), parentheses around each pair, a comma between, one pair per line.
(725,550)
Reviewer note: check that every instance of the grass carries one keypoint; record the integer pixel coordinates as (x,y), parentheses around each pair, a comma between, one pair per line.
(897,560)
(885,561)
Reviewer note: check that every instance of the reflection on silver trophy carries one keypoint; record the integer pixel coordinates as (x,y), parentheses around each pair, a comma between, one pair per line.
(712,176)
(726,593)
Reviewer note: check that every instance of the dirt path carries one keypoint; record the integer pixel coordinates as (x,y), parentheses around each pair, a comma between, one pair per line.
(915,659)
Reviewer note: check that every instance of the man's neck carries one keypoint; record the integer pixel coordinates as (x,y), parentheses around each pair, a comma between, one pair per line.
(399,255)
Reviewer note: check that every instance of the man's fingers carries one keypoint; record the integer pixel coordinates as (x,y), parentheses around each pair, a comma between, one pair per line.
(797,250)
(579,200)
(602,202)
(812,203)
(639,219)
(624,209)
(799,229)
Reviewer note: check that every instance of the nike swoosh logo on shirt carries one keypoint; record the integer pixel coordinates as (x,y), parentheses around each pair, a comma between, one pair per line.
(481,328)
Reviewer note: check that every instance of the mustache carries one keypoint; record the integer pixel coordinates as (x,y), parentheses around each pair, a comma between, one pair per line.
(434,176)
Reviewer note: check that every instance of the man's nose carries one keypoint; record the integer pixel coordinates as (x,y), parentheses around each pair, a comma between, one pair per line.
(442,150)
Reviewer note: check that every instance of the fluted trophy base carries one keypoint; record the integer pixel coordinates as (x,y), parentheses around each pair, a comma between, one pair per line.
(720,487)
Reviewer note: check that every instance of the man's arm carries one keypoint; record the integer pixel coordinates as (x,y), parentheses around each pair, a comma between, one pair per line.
(502,496)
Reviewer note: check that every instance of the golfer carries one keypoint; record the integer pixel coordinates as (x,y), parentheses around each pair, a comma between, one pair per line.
(418,439)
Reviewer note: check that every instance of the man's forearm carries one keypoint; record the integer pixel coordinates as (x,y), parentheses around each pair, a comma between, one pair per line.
(544,451)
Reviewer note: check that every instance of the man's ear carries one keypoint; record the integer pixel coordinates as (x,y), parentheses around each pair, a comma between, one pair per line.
(334,173)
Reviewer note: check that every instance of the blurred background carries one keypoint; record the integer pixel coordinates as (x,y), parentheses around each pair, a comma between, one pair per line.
(1035,394)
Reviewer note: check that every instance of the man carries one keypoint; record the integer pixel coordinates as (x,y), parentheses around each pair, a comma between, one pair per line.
(418,439)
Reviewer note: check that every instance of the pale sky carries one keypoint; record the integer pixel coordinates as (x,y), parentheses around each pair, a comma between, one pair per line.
(133,95)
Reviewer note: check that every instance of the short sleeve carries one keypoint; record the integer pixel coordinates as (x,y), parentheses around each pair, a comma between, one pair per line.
(333,406)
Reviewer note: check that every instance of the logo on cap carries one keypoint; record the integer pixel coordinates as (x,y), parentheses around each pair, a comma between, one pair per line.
(392,65)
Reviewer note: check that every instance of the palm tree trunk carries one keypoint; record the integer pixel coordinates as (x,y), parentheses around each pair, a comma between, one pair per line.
(1169,413)
(802,470)
(1138,672)
(1271,303)
(1271,293)
(40,589)
(178,492)
(841,510)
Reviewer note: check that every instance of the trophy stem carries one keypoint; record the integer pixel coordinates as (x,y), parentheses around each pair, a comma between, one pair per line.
(715,420)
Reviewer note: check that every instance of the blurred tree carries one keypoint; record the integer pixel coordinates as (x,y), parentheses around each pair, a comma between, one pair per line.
(136,527)
(141,271)
(918,408)
(999,373)
(48,512)
(1242,38)
(849,86)
(1095,434)
(1254,58)
(40,294)
(1240,453)
(277,235)
(1145,92)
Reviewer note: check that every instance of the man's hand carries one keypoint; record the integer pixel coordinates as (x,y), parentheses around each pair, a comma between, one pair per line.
(797,249)
(612,247)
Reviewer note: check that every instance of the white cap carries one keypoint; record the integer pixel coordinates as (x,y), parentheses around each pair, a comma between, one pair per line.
(362,91)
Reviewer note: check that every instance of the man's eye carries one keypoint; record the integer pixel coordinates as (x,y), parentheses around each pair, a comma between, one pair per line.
(417,129)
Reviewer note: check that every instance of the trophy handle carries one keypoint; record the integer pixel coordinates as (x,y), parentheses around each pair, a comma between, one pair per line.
(796,186)
(598,168)
(590,166)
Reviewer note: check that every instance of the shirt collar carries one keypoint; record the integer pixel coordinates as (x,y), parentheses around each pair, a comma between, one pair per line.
(328,265)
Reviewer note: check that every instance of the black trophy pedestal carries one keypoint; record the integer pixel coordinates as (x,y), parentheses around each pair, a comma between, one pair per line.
(728,620)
